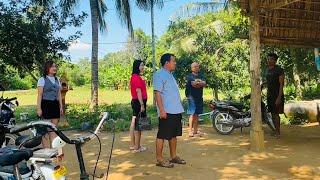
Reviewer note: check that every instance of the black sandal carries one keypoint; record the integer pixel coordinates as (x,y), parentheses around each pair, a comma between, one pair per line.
(178,160)
(165,164)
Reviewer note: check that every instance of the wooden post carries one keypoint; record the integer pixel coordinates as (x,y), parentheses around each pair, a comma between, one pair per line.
(256,132)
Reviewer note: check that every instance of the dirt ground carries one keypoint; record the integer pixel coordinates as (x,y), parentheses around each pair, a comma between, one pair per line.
(296,155)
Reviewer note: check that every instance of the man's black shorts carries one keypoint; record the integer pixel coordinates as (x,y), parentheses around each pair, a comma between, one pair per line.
(171,127)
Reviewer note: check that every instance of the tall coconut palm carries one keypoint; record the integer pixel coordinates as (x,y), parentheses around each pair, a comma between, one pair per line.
(149,5)
(98,11)
(192,9)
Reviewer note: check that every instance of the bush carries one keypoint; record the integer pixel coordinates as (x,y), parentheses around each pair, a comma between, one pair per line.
(298,118)
(121,113)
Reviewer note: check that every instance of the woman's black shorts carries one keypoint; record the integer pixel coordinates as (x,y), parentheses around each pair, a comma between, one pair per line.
(171,127)
(136,110)
(50,109)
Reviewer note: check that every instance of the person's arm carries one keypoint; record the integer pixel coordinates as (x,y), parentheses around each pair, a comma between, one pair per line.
(139,93)
(60,102)
(281,81)
(158,86)
(163,113)
(39,99)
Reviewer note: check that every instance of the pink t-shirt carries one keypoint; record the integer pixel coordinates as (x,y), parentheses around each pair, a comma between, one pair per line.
(137,82)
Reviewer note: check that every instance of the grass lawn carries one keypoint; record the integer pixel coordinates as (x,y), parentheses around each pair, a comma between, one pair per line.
(78,100)
(82,95)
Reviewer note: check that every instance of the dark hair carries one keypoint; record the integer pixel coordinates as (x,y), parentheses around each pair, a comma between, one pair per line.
(136,66)
(273,56)
(47,66)
(166,58)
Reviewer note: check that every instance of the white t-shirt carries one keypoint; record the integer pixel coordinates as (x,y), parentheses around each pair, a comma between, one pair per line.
(41,81)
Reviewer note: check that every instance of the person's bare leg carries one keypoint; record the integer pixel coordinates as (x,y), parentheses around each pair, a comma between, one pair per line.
(137,137)
(277,124)
(173,147)
(132,139)
(53,135)
(195,123)
(46,141)
(159,149)
(191,125)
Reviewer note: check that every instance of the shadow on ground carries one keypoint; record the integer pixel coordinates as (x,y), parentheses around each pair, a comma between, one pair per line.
(294,156)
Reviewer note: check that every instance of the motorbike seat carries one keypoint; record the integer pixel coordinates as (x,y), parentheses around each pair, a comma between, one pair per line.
(237,105)
(23,169)
(225,104)
(28,141)
(10,156)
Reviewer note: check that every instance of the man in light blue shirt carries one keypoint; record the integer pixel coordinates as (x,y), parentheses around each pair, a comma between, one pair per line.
(169,110)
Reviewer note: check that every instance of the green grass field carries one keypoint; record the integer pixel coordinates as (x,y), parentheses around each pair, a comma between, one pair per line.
(78,100)
(82,95)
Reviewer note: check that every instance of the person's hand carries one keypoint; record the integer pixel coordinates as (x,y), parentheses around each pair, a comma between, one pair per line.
(163,114)
(142,108)
(61,111)
(39,112)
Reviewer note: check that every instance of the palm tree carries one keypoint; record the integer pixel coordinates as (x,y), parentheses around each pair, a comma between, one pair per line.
(192,9)
(98,11)
(149,5)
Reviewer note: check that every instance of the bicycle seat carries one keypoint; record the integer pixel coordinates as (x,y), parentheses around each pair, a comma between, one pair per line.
(29,141)
(10,157)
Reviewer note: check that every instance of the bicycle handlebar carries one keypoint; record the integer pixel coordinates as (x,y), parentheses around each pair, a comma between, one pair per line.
(59,133)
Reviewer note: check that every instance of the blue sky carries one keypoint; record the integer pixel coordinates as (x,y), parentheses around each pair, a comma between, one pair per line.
(118,33)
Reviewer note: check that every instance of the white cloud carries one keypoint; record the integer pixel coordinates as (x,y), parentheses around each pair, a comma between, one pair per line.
(78,45)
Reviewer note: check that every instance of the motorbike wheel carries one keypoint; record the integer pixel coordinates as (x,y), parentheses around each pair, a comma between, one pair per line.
(224,129)
(10,140)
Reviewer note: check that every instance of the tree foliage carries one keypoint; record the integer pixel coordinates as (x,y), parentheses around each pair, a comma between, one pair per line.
(28,35)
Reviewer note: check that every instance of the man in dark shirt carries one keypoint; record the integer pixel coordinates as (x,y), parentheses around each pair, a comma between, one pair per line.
(194,93)
(275,83)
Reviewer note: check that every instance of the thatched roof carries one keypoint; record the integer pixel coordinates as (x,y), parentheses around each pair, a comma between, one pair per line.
(288,22)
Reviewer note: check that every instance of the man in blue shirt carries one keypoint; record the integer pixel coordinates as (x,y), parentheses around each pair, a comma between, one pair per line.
(170,111)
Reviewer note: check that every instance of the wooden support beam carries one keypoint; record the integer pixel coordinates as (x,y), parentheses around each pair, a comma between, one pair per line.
(256,132)
(280,4)
(291,42)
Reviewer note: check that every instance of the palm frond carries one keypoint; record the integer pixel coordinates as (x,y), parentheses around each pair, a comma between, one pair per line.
(44,3)
(102,11)
(124,13)
(67,6)
(146,4)
(193,9)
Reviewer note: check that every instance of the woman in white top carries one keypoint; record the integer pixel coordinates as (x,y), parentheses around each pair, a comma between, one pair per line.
(49,102)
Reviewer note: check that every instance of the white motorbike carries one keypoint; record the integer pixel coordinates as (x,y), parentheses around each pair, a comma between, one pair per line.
(39,164)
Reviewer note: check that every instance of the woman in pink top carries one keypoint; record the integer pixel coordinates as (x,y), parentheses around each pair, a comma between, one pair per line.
(139,101)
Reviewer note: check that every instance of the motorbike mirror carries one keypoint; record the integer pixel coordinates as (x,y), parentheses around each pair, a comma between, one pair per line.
(17,103)
(58,143)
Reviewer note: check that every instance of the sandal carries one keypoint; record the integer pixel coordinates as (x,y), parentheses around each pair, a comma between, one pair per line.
(191,135)
(165,164)
(178,160)
(141,149)
(200,134)
(131,148)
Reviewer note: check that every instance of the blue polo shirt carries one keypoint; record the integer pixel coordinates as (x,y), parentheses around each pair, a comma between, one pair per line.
(165,83)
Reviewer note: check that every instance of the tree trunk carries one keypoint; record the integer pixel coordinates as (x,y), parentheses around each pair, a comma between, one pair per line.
(153,45)
(256,132)
(296,76)
(215,93)
(94,55)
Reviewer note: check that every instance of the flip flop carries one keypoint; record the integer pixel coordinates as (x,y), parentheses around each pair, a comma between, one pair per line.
(165,164)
